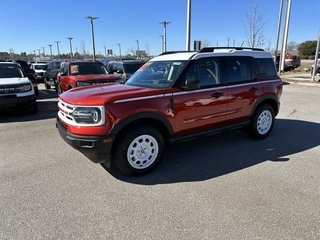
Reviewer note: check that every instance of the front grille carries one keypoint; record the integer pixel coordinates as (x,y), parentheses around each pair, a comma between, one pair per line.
(6,89)
(64,112)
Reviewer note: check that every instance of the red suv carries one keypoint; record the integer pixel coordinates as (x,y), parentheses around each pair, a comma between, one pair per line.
(83,73)
(174,97)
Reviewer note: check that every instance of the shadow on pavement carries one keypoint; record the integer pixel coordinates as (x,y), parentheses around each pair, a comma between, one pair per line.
(47,102)
(216,156)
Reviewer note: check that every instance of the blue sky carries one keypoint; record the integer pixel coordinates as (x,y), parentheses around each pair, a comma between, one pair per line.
(27,25)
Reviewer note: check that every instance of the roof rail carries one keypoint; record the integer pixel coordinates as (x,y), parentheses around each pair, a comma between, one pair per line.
(212,49)
(172,52)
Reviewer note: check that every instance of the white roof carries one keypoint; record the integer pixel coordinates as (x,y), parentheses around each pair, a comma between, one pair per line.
(217,52)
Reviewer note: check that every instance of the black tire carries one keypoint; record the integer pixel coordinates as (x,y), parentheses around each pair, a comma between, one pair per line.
(36,91)
(139,151)
(59,89)
(262,122)
(47,86)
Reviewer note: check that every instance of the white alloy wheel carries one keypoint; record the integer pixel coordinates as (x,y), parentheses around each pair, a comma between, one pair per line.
(142,152)
(264,122)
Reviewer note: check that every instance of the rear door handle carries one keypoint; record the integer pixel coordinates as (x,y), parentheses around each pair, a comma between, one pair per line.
(253,89)
(217,94)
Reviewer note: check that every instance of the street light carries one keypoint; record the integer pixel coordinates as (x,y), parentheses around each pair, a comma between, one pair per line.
(188,25)
(50,45)
(39,54)
(137,47)
(165,23)
(58,49)
(43,53)
(92,36)
(161,42)
(119,49)
(71,55)
(105,51)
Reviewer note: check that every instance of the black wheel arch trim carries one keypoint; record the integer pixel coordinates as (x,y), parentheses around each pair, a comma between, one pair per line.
(265,98)
(142,116)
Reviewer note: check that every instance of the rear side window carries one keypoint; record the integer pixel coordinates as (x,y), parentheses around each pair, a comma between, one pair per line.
(238,69)
(264,67)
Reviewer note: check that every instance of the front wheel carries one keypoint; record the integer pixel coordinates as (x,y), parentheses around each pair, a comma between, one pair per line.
(262,122)
(46,84)
(139,151)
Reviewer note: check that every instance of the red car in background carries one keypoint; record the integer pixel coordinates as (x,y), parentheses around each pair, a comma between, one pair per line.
(83,73)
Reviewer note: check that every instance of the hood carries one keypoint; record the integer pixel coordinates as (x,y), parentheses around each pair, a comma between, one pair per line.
(95,77)
(10,81)
(107,94)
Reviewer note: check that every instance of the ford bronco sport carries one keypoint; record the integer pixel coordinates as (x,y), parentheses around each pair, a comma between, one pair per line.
(16,89)
(174,97)
(83,73)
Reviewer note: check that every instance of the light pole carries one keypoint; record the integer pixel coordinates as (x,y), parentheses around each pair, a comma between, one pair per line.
(71,55)
(119,49)
(39,54)
(35,56)
(43,53)
(165,23)
(161,42)
(137,47)
(92,36)
(58,49)
(105,51)
(50,45)
(188,25)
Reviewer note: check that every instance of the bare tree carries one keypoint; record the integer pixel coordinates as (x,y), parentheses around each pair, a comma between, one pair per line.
(205,42)
(83,49)
(131,51)
(147,48)
(255,25)
(292,46)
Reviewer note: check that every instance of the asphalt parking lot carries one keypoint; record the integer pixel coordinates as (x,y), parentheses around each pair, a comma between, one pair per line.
(223,187)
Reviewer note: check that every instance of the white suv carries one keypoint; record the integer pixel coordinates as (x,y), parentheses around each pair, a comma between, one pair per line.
(40,69)
(16,89)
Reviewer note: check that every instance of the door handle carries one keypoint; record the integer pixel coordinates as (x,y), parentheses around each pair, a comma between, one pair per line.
(217,94)
(253,89)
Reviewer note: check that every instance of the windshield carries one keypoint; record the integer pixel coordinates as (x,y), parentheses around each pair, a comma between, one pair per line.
(39,67)
(131,67)
(87,68)
(158,74)
(10,71)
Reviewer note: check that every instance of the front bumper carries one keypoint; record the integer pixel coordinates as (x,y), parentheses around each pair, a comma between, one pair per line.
(96,148)
(10,102)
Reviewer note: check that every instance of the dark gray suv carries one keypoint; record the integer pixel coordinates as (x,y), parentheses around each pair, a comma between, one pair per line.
(50,76)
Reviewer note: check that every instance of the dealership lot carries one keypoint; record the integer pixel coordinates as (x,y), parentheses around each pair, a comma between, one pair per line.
(223,187)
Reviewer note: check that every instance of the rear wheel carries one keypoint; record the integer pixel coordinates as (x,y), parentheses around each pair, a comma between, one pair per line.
(262,122)
(139,151)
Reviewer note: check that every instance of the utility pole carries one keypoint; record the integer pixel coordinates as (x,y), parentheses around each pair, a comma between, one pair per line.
(165,23)
(71,54)
(58,49)
(137,52)
(188,25)
(92,36)
(50,45)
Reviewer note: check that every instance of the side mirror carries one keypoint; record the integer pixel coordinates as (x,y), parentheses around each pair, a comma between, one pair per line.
(31,77)
(191,84)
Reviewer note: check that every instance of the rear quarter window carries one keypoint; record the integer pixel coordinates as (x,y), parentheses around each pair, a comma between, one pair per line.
(264,67)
